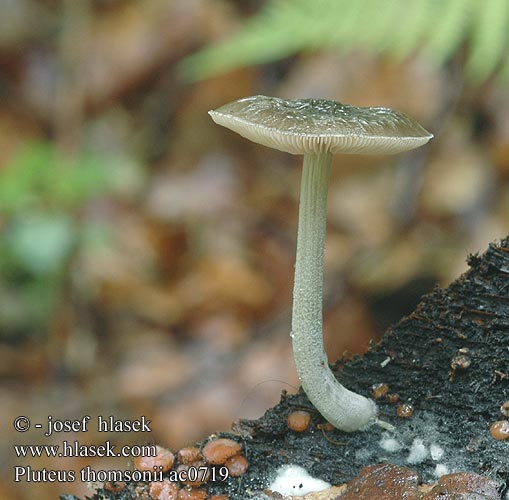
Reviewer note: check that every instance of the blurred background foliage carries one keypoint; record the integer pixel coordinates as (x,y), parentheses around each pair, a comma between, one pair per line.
(439,30)
(41,196)
(146,255)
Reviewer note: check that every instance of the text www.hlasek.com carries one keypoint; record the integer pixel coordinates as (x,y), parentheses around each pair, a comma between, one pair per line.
(75,449)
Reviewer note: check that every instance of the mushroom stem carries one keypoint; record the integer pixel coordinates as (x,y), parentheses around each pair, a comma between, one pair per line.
(344,409)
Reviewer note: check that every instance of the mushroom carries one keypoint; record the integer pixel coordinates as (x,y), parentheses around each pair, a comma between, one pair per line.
(318,129)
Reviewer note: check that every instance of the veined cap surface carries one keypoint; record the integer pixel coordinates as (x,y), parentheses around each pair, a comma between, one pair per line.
(314,126)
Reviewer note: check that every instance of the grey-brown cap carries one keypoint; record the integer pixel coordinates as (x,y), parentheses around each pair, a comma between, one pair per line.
(311,126)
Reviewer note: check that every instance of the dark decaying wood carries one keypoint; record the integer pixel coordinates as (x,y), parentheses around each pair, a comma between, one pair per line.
(449,360)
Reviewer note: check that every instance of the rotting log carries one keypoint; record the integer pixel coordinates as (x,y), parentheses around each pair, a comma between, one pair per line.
(449,360)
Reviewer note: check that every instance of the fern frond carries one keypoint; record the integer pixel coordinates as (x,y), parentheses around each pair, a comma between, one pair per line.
(489,43)
(398,28)
(345,22)
(414,20)
(275,32)
(450,27)
(375,35)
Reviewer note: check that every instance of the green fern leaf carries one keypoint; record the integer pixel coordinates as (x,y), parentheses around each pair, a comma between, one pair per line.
(344,23)
(413,24)
(398,28)
(272,34)
(375,35)
(449,29)
(489,43)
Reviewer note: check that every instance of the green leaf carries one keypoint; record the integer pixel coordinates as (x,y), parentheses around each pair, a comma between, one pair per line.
(489,43)
(272,34)
(41,241)
(397,28)
(20,180)
(408,33)
(450,29)
(40,176)
(375,35)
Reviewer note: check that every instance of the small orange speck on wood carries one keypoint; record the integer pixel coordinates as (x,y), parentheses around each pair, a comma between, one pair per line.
(219,450)
(379,390)
(164,458)
(237,465)
(163,490)
(500,430)
(405,410)
(114,486)
(299,420)
(188,455)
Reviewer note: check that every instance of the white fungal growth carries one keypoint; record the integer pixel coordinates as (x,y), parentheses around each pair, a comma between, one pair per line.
(436,452)
(441,470)
(295,480)
(390,444)
(418,452)
(363,455)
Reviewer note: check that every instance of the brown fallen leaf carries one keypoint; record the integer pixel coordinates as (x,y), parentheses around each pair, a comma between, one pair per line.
(463,486)
(383,482)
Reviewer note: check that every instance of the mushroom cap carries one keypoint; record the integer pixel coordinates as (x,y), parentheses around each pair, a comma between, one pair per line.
(311,126)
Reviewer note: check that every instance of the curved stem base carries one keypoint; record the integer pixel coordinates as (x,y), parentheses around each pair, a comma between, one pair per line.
(344,409)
